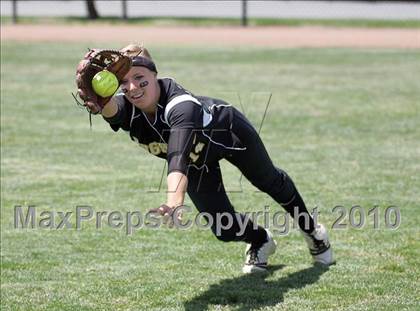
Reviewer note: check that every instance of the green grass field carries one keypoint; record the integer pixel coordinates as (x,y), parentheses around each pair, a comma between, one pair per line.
(343,122)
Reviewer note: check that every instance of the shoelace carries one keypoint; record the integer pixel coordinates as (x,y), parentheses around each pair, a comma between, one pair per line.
(319,246)
(253,256)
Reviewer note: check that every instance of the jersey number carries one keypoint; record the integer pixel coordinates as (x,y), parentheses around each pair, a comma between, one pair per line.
(156,148)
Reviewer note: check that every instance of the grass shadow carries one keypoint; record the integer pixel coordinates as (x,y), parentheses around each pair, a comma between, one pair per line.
(254,291)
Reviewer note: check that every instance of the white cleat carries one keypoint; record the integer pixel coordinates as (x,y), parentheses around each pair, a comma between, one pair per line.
(257,258)
(319,245)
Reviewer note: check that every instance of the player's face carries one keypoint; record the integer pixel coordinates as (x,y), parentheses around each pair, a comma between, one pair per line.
(141,87)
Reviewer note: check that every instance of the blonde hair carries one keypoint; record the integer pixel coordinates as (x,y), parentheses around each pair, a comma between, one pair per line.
(133,50)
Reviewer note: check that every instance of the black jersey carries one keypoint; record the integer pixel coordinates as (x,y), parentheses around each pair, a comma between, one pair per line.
(186,130)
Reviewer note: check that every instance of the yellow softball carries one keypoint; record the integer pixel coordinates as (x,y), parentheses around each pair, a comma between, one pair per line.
(105,83)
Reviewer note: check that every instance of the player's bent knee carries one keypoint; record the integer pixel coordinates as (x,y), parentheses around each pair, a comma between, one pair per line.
(225,235)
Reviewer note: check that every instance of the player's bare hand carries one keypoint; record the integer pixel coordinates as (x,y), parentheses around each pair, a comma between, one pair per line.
(169,214)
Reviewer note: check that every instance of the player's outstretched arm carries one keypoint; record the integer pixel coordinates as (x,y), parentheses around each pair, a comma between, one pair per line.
(177,186)
(110,109)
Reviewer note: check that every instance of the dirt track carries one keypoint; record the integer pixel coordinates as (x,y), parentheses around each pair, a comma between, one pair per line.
(254,36)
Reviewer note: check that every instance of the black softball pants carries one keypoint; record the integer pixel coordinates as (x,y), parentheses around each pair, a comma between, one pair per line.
(206,189)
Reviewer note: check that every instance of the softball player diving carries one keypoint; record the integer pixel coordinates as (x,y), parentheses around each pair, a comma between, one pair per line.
(193,133)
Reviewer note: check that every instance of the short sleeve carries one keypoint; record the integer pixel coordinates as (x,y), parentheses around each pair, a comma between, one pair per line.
(185,115)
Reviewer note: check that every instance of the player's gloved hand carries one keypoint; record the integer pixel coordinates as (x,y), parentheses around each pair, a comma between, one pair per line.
(169,214)
(93,62)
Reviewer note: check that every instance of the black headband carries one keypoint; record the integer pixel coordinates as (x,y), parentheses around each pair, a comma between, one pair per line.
(144,62)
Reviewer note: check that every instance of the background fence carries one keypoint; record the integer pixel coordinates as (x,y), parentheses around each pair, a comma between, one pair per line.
(390,10)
